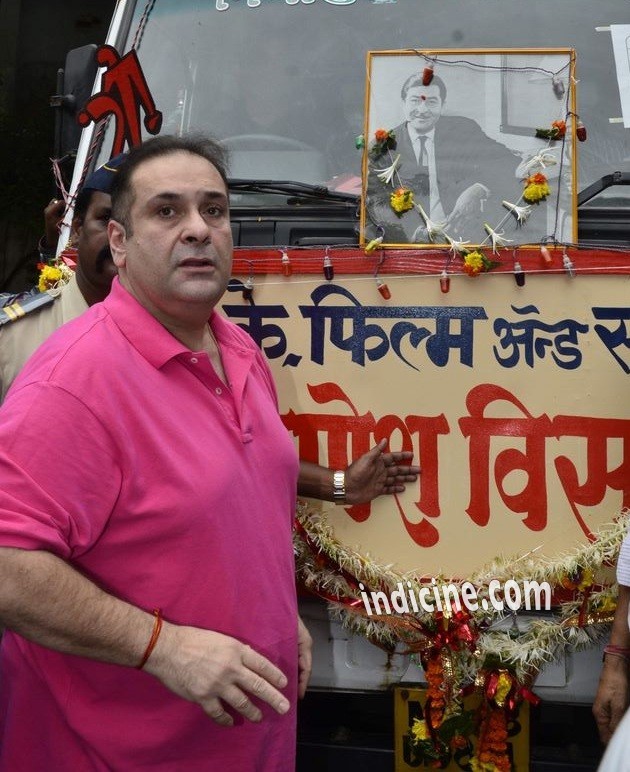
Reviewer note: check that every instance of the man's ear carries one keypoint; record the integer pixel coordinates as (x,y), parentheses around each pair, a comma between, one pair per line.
(75,228)
(117,242)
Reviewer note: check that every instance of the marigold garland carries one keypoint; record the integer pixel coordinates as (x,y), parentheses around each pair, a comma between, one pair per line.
(435,694)
(53,276)
(476,262)
(473,263)
(401,201)
(49,277)
(384,140)
(491,753)
(536,188)
(557,131)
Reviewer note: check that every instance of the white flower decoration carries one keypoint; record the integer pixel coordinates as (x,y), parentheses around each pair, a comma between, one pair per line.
(458,246)
(497,237)
(433,228)
(387,175)
(520,212)
(542,160)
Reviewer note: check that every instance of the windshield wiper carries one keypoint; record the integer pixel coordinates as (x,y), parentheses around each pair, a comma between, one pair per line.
(298,190)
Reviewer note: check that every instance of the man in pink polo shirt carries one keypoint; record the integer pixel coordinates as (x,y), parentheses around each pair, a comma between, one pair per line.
(147,497)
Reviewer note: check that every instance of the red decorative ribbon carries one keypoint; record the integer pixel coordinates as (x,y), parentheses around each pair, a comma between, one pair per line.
(454,631)
(516,694)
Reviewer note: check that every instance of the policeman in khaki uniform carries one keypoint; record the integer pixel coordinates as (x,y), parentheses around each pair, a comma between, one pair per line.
(26,321)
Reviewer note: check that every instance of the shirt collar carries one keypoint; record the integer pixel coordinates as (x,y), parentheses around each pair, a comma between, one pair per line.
(150,338)
(143,331)
(414,135)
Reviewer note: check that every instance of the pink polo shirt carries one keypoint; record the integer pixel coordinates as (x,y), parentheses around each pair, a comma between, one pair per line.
(122,452)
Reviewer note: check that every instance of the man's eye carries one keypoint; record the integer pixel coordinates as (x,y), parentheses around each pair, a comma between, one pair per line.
(166,211)
(214,211)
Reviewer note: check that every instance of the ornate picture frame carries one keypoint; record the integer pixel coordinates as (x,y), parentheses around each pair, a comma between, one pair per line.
(469,147)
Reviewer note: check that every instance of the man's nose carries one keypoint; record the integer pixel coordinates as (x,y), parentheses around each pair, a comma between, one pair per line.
(195,227)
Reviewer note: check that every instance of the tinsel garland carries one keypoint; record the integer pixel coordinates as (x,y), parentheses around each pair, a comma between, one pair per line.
(475,649)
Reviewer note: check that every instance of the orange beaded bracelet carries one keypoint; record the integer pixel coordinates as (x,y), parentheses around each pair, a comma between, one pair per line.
(157,627)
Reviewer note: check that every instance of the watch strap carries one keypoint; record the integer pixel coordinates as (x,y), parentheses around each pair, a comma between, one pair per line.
(339,487)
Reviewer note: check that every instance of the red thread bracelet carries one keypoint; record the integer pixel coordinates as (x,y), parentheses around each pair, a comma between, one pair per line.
(155,634)
(622,652)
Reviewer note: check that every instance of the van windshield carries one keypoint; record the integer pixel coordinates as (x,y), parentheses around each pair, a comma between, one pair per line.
(283,82)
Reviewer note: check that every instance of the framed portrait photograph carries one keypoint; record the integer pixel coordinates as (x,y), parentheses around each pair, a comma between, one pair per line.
(473,147)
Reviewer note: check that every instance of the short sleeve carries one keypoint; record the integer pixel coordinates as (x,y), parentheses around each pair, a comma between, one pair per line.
(59,478)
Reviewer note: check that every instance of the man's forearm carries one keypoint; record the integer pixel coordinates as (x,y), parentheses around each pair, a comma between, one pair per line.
(612,695)
(620,632)
(616,660)
(373,474)
(315,481)
(47,601)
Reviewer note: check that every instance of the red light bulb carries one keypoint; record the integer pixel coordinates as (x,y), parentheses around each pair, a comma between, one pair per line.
(287,268)
(329,271)
(580,131)
(383,289)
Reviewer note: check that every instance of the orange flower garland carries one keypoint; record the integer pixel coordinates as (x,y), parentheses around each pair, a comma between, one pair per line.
(384,139)
(441,734)
(557,131)
(560,128)
(491,753)
(435,692)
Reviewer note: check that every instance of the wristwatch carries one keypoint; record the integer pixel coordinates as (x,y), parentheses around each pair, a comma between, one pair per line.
(339,487)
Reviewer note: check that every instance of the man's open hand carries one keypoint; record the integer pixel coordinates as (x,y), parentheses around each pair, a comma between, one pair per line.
(217,672)
(377,473)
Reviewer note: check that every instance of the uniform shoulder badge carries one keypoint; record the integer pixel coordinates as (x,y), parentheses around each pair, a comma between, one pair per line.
(14,307)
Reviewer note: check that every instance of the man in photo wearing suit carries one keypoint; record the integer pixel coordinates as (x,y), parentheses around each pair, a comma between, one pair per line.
(457,173)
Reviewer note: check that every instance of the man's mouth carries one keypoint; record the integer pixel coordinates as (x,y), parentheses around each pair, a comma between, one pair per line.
(196,262)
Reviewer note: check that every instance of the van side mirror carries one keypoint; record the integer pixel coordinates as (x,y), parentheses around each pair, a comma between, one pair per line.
(74,87)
